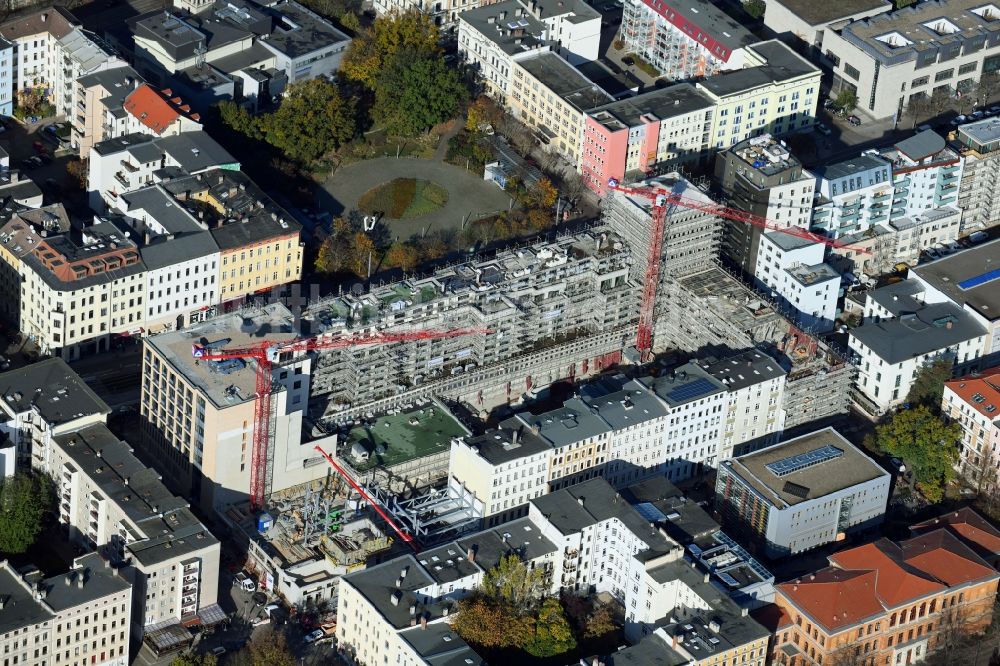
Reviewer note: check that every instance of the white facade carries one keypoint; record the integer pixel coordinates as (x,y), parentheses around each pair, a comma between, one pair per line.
(974,403)
(794,272)
(182,289)
(854,196)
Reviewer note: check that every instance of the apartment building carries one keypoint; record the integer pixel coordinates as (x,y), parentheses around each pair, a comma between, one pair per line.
(551,96)
(238,49)
(905,328)
(776,93)
(73,619)
(127,163)
(854,196)
(44,400)
(198,416)
(884,603)
(624,431)
(893,58)
(50,51)
(80,289)
(978,145)
(112,503)
(18,236)
(973,402)
(801,494)
(792,270)
(587,539)
(668,126)
(761,176)
(157,113)
(100,106)
(684,40)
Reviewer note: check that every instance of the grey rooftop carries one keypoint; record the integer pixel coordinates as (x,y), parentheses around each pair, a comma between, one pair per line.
(949,273)
(51,388)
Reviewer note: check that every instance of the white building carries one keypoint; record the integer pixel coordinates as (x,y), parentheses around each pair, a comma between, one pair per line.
(803,493)
(905,327)
(43,617)
(925,175)
(974,402)
(979,146)
(808,22)
(791,269)
(853,196)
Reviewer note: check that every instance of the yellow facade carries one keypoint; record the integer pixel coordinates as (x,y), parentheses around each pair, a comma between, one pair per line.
(255,268)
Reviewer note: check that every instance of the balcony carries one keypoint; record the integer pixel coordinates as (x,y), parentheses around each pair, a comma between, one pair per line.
(128,166)
(122,180)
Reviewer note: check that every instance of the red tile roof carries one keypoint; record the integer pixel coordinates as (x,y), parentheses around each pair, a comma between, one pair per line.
(971,528)
(834,597)
(898,584)
(772,617)
(986,385)
(946,558)
(151,108)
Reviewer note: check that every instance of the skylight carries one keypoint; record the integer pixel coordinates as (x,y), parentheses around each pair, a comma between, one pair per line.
(894,40)
(941,26)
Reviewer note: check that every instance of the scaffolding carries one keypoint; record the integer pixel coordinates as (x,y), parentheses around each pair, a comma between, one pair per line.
(434,516)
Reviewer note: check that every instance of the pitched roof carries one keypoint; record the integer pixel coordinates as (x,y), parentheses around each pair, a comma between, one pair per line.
(971,528)
(982,393)
(942,555)
(834,597)
(151,108)
(898,582)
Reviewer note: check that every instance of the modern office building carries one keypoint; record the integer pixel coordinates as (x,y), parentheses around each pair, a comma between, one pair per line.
(892,58)
(905,328)
(884,603)
(807,23)
(79,617)
(801,494)
(684,40)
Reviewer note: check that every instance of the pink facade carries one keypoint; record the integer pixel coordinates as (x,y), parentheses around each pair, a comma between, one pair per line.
(605,151)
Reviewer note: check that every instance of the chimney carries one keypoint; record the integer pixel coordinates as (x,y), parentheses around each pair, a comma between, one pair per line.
(580,500)
(399,582)
(471,555)
(402,573)
(413,609)
(423,622)
(3,601)
(513,438)
(744,611)
(68,580)
(949,324)
(79,581)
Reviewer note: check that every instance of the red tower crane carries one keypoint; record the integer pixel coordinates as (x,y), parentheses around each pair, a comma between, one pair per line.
(266,354)
(664,201)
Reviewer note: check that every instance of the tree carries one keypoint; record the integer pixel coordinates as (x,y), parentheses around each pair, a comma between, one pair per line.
(490,623)
(391,35)
(987,86)
(940,101)
(337,248)
(25,499)
(482,111)
(403,256)
(313,119)
(917,108)
(926,442)
(77,170)
(350,21)
(847,100)
(755,8)
(415,92)
(600,622)
(928,385)
(513,582)
(238,119)
(542,194)
(190,659)
(552,634)
(267,649)
(364,252)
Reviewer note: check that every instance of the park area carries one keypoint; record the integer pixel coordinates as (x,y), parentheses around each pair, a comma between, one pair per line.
(403,198)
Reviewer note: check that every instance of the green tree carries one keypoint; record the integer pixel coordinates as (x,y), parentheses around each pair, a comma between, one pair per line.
(926,442)
(847,100)
(369,53)
(25,499)
(928,385)
(350,21)
(755,8)
(415,92)
(404,256)
(552,634)
(313,119)
(514,583)
(601,622)
(239,119)
(491,623)
(189,659)
(268,649)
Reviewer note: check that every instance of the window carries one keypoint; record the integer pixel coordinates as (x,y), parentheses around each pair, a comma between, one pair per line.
(920,81)
(851,71)
(944,75)
(967,67)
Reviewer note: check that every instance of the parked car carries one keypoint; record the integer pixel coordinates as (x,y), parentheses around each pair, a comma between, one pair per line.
(244,582)
(854,120)
(958,120)
(218,651)
(829,104)
(313,636)
(977,115)
(977,237)
(823,129)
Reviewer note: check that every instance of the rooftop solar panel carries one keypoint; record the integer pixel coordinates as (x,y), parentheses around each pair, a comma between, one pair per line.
(695,389)
(979,280)
(786,466)
(729,580)
(650,512)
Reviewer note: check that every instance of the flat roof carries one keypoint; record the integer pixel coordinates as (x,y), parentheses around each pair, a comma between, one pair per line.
(675,100)
(571,423)
(440,646)
(517,32)
(852,166)
(231,384)
(511,440)
(422,431)
(709,18)
(552,71)
(815,274)
(685,384)
(782,64)
(51,388)
(822,13)
(808,481)
(949,273)
(983,132)
(20,608)
(743,369)
(299,32)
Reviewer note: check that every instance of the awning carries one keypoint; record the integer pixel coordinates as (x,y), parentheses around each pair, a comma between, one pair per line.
(211,615)
(167,638)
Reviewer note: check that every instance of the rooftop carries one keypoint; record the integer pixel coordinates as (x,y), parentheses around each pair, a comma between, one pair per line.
(508,24)
(20,608)
(968,278)
(563,79)
(766,154)
(969,527)
(57,21)
(981,393)
(224,383)
(440,646)
(782,64)
(191,151)
(743,369)
(155,110)
(805,468)
(982,135)
(815,274)
(660,501)
(685,384)
(571,423)
(706,17)
(674,100)
(851,167)
(395,438)
(51,388)
(511,440)
(297,32)
(822,13)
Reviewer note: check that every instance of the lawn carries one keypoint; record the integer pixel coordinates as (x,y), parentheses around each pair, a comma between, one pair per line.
(404,198)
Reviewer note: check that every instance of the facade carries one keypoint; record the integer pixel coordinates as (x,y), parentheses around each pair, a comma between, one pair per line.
(111,502)
(905,328)
(762,177)
(801,494)
(685,40)
(979,146)
(43,615)
(973,402)
(854,196)
(806,23)
(17,238)
(884,603)
(153,112)
(791,269)
(551,96)
(895,57)
(100,106)
(776,93)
